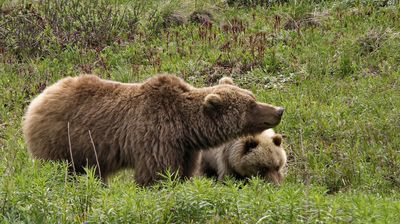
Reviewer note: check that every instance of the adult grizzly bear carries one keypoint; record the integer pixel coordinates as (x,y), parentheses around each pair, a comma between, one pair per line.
(259,155)
(152,126)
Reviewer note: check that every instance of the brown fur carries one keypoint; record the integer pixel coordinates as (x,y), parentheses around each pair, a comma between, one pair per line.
(245,157)
(152,126)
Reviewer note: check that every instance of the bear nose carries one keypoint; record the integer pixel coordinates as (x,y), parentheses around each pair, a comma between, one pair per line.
(280,111)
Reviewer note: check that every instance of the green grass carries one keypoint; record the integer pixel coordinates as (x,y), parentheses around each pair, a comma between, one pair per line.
(333,66)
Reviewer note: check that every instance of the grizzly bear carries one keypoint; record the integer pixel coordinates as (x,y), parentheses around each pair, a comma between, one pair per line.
(154,126)
(258,155)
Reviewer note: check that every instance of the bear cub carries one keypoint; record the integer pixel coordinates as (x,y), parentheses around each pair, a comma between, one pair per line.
(258,155)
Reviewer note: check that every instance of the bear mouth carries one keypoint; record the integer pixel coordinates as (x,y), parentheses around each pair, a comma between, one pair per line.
(271,125)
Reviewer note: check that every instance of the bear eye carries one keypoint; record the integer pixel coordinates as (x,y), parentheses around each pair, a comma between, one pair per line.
(277,139)
(249,145)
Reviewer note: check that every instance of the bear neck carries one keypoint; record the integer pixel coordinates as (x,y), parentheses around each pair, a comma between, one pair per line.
(205,130)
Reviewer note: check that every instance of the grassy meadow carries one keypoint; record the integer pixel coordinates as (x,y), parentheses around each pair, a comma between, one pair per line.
(334,66)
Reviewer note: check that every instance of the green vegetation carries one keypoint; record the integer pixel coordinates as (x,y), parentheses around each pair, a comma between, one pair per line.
(334,66)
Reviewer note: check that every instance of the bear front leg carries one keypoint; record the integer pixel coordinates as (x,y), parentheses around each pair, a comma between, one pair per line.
(223,170)
(149,168)
(145,175)
(191,164)
(148,174)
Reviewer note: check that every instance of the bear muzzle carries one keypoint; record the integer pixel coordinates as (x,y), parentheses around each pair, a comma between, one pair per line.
(274,177)
(280,111)
(264,116)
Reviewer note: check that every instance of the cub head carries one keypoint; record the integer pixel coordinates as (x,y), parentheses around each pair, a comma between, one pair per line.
(239,110)
(260,155)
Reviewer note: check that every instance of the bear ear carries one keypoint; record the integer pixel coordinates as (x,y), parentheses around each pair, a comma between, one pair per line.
(249,145)
(277,139)
(212,101)
(226,80)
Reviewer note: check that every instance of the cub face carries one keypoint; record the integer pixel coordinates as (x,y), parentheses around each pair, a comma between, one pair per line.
(260,155)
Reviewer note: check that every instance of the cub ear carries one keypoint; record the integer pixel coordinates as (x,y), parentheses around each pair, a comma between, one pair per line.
(249,145)
(277,139)
(212,101)
(226,80)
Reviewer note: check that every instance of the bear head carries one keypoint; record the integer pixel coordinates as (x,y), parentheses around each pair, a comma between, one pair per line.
(233,109)
(260,155)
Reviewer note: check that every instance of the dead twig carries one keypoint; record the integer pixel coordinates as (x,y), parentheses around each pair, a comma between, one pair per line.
(95,153)
(70,150)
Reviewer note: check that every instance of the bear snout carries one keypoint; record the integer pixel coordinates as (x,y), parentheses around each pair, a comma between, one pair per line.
(280,111)
(274,177)
(262,117)
(270,115)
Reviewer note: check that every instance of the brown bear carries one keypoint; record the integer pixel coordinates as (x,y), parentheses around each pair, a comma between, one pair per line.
(258,155)
(154,126)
